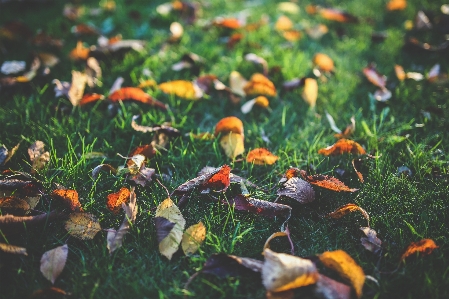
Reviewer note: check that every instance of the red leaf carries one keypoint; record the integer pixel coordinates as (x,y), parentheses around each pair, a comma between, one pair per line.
(327,182)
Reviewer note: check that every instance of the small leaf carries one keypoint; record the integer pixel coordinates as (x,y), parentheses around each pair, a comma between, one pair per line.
(237,83)
(323,62)
(327,182)
(38,156)
(283,23)
(343,146)
(219,181)
(424,247)
(53,262)
(396,5)
(259,207)
(371,242)
(83,226)
(184,89)
(261,156)
(192,238)
(282,272)
(104,167)
(357,164)
(285,233)
(232,144)
(14,205)
(259,85)
(115,200)
(346,209)
(69,198)
(310,92)
(13,249)
(76,90)
(80,52)
(146,150)
(135,94)
(346,267)
(374,77)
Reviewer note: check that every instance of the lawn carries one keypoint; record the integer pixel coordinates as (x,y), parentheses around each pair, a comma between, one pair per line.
(407,131)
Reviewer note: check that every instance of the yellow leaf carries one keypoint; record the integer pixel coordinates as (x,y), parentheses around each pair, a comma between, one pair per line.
(233,144)
(310,92)
(193,237)
(348,269)
(282,272)
(237,82)
(82,225)
(183,89)
(168,210)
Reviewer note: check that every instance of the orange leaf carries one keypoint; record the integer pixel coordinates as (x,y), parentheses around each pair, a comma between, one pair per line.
(146,150)
(183,89)
(327,182)
(292,172)
(230,23)
(343,146)
(259,84)
(261,156)
(396,5)
(115,200)
(80,52)
(229,124)
(310,92)
(220,181)
(136,94)
(348,269)
(332,14)
(374,77)
(69,198)
(90,98)
(346,209)
(399,70)
(425,247)
(324,62)
(292,35)
(283,23)
(357,164)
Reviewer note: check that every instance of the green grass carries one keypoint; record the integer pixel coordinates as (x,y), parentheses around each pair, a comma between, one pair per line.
(402,209)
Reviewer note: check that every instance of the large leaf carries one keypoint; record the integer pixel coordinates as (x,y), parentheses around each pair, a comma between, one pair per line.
(83,226)
(53,262)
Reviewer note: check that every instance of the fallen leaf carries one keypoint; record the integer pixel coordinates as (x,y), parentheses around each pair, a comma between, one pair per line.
(357,164)
(53,262)
(8,248)
(115,200)
(192,238)
(371,242)
(229,23)
(93,72)
(293,84)
(184,89)
(259,85)
(282,272)
(135,94)
(251,57)
(323,62)
(346,209)
(424,247)
(219,181)
(38,156)
(51,292)
(259,207)
(90,98)
(199,181)
(12,67)
(176,30)
(327,288)
(144,176)
(234,39)
(374,77)
(288,7)
(346,267)
(146,150)
(233,177)
(396,5)
(310,92)
(382,95)
(14,205)
(261,156)
(83,226)
(80,52)
(170,212)
(10,224)
(316,32)
(84,29)
(332,14)
(104,167)
(400,73)
(223,265)
(76,90)
(69,198)
(6,155)
(233,144)
(157,128)
(327,182)
(237,83)
(285,233)
(343,146)
(229,124)
(283,23)
(350,129)
(297,189)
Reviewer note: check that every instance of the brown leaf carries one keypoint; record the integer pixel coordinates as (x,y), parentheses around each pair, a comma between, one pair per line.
(327,288)
(14,205)
(104,167)
(297,189)
(115,200)
(8,248)
(184,89)
(424,247)
(371,242)
(346,267)
(135,94)
(259,85)
(76,91)
(83,226)
(223,265)
(146,150)
(53,262)
(251,57)
(310,92)
(346,209)
(144,176)
(90,98)
(348,131)
(357,164)
(10,224)
(259,207)
(285,233)
(316,32)
(219,181)
(343,146)
(69,198)
(332,14)
(229,124)
(5,156)
(38,156)
(192,238)
(136,163)
(261,156)
(282,272)
(233,177)
(374,77)
(93,72)
(167,129)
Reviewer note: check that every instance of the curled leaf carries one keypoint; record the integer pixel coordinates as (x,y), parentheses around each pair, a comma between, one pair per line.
(261,156)
(76,90)
(8,248)
(374,77)
(192,238)
(104,167)
(83,226)
(346,209)
(237,83)
(371,242)
(323,62)
(136,94)
(229,124)
(327,182)
(232,144)
(343,146)
(424,247)
(53,262)
(259,85)
(346,267)
(297,189)
(357,164)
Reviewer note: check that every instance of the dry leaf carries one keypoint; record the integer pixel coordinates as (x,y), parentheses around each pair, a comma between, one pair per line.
(90,98)
(170,243)
(332,14)
(283,23)
(343,146)
(167,129)
(371,242)
(5,156)
(292,35)
(399,70)
(285,233)
(327,288)
(237,83)
(8,248)
(176,30)
(51,292)
(346,267)
(104,167)
(10,224)
(297,189)
(93,72)
(374,77)
(76,91)
(184,89)
(357,164)
(192,238)
(229,124)
(261,156)
(233,144)
(282,272)
(382,95)
(136,163)
(327,182)
(251,57)
(135,94)
(259,85)
(223,265)
(219,181)
(350,129)
(115,200)
(259,207)
(229,23)
(144,176)
(424,247)
(346,209)
(38,156)
(317,31)
(83,226)
(80,52)
(53,262)
(310,92)
(69,198)
(396,5)
(323,62)
(14,205)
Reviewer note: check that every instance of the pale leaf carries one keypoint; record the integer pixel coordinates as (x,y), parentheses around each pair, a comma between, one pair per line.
(53,262)
(192,238)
